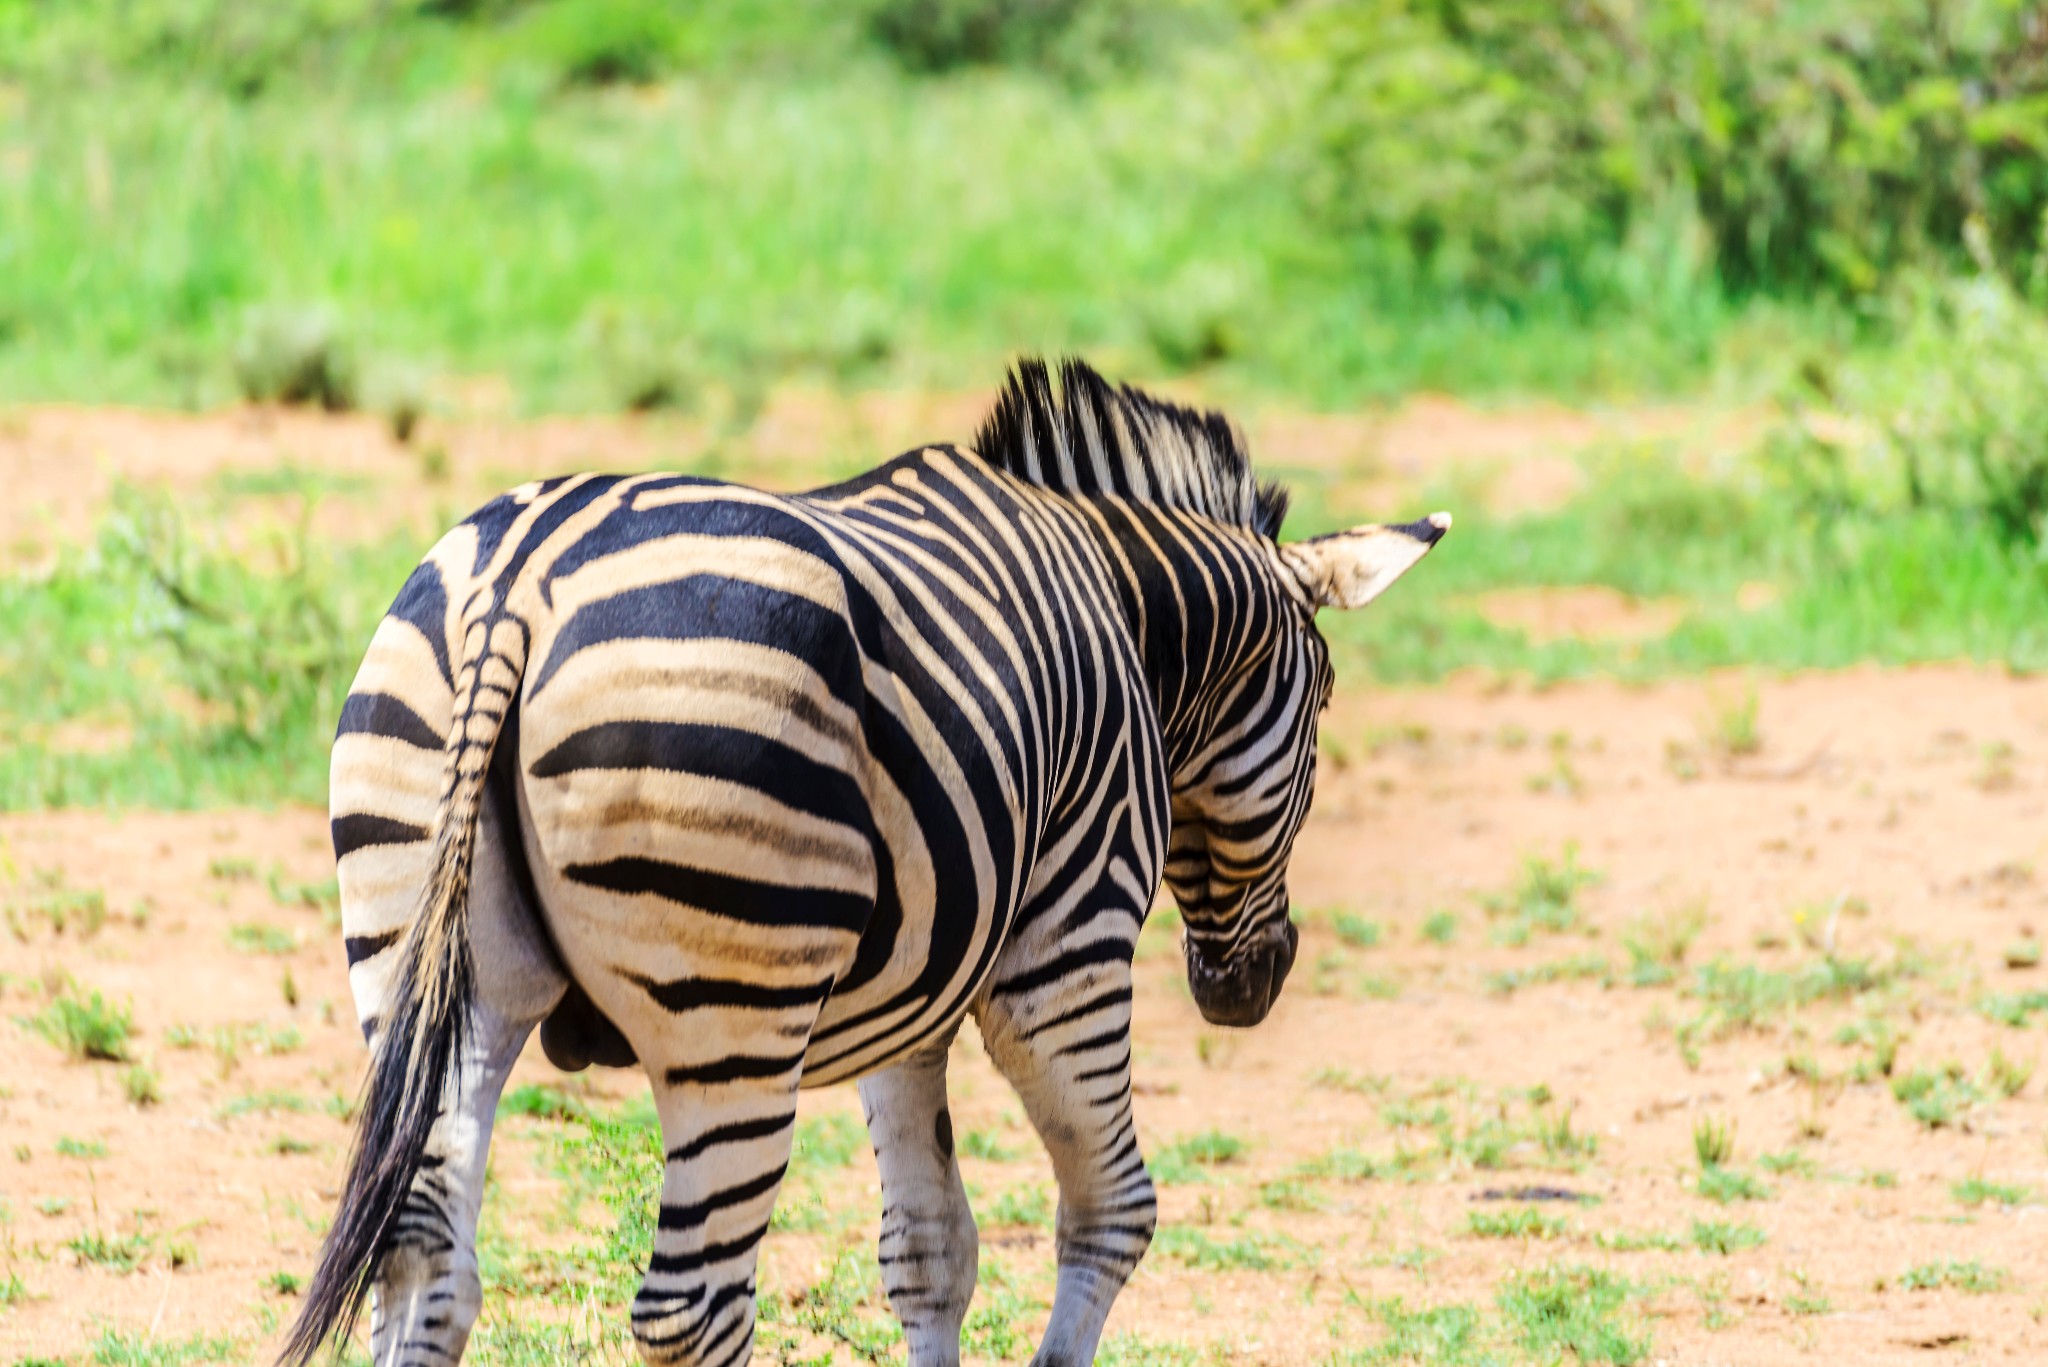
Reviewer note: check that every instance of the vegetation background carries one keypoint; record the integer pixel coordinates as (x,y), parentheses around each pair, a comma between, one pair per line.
(1828,218)
(1831,206)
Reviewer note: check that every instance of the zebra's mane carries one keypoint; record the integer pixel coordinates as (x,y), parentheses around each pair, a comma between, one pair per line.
(1093,437)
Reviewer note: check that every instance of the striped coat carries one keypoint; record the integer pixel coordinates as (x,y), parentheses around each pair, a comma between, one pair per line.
(766,791)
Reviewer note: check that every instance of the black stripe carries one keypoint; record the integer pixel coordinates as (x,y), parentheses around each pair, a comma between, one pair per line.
(734,1068)
(361,947)
(694,1215)
(713,607)
(423,603)
(736,899)
(673,1263)
(736,1133)
(360,830)
(381,714)
(728,753)
(1097,952)
(694,994)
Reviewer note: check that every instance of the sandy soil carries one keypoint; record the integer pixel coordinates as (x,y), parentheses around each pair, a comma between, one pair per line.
(60,465)
(1899,816)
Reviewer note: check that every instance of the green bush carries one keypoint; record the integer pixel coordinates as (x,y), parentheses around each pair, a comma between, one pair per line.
(1952,422)
(295,355)
(1069,37)
(1600,148)
(603,42)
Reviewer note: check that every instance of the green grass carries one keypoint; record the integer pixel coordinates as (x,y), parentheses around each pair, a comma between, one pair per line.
(1543,899)
(1184,1160)
(117,1349)
(785,199)
(257,938)
(1524,1222)
(1977,1191)
(86,1026)
(1713,1236)
(117,1253)
(1971,1276)
(1728,1185)
(1246,1252)
(1580,1310)
(1899,588)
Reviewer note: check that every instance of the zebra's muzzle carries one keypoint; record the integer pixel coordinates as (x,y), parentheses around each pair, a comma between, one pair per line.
(1240,991)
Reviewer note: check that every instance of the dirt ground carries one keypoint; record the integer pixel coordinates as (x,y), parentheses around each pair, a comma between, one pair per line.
(1889,794)
(1890,819)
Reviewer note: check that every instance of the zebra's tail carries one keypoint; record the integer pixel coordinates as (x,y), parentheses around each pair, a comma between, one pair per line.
(419,1047)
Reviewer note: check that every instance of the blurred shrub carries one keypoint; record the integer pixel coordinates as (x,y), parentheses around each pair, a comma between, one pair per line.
(295,355)
(1079,38)
(1506,145)
(1953,420)
(263,653)
(603,42)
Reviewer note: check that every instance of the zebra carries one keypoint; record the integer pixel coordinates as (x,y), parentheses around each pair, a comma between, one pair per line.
(769,791)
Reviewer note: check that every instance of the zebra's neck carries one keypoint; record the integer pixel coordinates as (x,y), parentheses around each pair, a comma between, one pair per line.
(1202,601)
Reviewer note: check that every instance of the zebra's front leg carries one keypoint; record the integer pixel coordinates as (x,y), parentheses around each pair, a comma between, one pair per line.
(1067,1051)
(930,1249)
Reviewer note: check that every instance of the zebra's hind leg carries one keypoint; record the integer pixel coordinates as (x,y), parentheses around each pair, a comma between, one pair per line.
(1068,1054)
(728,1144)
(426,1294)
(930,1248)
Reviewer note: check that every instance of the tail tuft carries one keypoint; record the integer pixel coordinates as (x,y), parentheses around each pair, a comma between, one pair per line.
(420,1050)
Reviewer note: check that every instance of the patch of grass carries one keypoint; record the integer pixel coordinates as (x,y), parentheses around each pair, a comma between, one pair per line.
(86,1026)
(1977,1191)
(1356,930)
(1939,1097)
(1731,730)
(1183,1160)
(1790,1162)
(825,1143)
(1129,1350)
(987,1146)
(1971,1276)
(1728,1185)
(1713,1142)
(67,1147)
(117,1253)
(267,1102)
(845,1306)
(1639,1241)
(1248,1252)
(142,1085)
(1435,1336)
(1658,945)
(1440,927)
(1578,968)
(1544,898)
(1743,997)
(1290,1194)
(1027,1205)
(1718,1237)
(257,938)
(115,1348)
(539,1101)
(1522,1222)
(1579,1310)
(2015,1009)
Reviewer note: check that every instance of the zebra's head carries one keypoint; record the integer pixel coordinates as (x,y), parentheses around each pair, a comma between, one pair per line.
(1238,806)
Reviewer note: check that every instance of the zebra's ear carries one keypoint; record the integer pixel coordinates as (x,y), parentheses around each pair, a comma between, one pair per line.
(1350,569)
